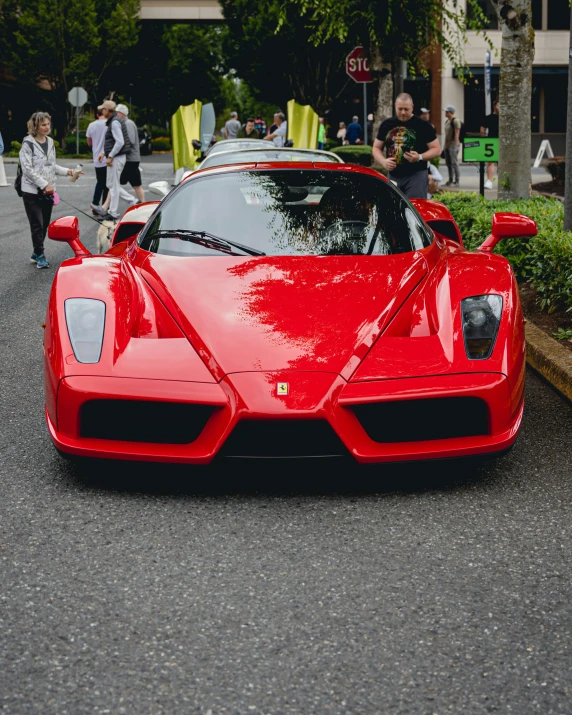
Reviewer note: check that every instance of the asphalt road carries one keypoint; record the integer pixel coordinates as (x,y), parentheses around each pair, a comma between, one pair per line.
(280,589)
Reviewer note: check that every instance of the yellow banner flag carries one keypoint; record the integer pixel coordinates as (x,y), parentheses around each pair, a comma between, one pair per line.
(302,125)
(186,126)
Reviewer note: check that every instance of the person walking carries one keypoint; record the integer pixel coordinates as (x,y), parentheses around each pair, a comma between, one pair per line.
(260,126)
(321,133)
(248,131)
(409,143)
(232,127)
(39,171)
(490,128)
(95,136)
(279,135)
(341,134)
(354,132)
(452,144)
(115,148)
(131,173)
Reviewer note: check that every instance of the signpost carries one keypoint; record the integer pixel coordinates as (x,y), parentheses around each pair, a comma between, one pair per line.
(357,67)
(481,150)
(77,97)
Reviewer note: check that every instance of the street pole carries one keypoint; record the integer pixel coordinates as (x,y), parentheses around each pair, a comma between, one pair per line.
(77,129)
(567,177)
(364,113)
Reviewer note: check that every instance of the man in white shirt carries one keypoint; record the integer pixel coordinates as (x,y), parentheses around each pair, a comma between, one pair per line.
(279,135)
(232,126)
(115,148)
(95,138)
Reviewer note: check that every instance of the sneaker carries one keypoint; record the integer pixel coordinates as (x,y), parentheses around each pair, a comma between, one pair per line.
(488,184)
(108,217)
(42,262)
(449,183)
(34,258)
(455,183)
(97,210)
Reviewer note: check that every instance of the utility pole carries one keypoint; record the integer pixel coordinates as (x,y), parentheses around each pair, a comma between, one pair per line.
(568,176)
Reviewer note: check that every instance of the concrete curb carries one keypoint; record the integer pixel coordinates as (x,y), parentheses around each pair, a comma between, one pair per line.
(549,358)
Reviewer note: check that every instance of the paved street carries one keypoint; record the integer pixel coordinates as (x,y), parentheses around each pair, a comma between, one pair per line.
(275,588)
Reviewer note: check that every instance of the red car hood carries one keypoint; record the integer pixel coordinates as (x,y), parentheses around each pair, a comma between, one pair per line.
(283,313)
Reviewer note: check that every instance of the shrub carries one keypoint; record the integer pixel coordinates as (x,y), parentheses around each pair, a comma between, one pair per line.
(355,154)
(557,168)
(15,146)
(156,131)
(544,260)
(71,147)
(161,144)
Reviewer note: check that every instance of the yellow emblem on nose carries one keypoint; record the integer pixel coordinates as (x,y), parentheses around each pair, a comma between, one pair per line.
(281,388)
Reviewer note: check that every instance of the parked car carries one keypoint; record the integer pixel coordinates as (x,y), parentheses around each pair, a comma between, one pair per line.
(285,311)
(145,145)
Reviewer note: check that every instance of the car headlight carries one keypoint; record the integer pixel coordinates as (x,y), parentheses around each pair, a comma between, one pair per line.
(85,318)
(481,320)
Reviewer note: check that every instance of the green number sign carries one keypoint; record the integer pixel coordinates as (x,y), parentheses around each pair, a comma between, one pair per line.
(480,149)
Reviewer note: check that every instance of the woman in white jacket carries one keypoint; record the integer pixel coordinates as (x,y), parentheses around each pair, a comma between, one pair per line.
(39,170)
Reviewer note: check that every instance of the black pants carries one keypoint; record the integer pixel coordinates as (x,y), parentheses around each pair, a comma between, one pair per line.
(101,189)
(39,212)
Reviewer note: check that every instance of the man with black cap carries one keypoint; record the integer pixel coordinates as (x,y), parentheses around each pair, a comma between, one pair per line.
(424,113)
(115,148)
(452,144)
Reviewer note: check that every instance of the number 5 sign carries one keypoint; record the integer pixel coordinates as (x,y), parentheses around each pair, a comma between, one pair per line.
(480,149)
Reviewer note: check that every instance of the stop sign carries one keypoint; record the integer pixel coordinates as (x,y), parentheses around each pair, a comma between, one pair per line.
(357,65)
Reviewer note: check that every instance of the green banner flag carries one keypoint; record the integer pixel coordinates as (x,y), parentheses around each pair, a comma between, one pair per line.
(302,125)
(186,126)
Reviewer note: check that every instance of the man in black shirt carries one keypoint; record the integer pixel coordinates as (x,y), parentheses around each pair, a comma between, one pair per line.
(490,128)
(409,143)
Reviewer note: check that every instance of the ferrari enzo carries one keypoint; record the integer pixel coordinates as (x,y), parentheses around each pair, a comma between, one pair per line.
(273,310)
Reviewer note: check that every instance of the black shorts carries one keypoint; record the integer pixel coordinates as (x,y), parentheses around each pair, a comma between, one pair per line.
(130,174)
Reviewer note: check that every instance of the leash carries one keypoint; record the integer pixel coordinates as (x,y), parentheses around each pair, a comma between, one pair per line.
(75,208)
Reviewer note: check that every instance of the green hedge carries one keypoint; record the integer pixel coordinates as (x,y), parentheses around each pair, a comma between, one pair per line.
(70,147)
(161,144)
(544,260)
(355,154)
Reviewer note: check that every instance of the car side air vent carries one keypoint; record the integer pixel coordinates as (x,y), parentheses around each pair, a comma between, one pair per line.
(418,420)
(140,421)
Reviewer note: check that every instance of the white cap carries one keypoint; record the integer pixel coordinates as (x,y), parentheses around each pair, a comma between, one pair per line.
(122,108)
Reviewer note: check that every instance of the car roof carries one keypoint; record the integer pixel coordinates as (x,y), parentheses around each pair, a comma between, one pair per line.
(224,144)
(252,153)
(286,165)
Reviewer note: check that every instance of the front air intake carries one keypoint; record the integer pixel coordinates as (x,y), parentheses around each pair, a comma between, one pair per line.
(139,421)
(419,420)
(283,438)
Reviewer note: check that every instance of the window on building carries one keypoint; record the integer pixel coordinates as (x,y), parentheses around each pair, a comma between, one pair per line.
(537,14)
(555,99)
(558,15)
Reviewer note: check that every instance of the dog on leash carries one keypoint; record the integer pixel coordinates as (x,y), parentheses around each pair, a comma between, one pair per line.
(104,235)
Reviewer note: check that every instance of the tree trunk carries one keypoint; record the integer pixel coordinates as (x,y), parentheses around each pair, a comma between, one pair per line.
(383,79)
(515,89)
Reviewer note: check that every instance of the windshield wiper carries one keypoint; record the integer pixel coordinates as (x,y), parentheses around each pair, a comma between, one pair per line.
(209,240)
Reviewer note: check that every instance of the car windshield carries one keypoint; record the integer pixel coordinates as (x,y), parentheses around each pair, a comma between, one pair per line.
(265,155)
(285,212)
(237,145)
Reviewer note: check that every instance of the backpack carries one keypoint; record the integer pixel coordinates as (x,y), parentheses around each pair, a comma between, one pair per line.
(18,180)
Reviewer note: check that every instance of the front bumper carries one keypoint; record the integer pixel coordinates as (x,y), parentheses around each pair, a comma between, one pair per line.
(311,396)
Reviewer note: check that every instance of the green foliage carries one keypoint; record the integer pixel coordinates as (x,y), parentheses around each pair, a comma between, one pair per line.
(563,334)
(557,168)
(269,45)
(545,260)
(355,154)
(71,146)
(15,146)
(161,144)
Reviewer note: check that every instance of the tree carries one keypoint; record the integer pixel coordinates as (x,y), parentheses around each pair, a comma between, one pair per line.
(62,43)
(269,47)
(391,30)
(515,91)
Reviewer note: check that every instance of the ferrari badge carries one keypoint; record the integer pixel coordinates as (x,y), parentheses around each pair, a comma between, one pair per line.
(281,388)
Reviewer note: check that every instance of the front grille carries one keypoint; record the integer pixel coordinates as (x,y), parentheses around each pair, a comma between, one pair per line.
(417,420)
(283,438)
(138,421)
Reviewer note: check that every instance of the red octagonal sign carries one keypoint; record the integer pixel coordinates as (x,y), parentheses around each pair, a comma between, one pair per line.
(357,65)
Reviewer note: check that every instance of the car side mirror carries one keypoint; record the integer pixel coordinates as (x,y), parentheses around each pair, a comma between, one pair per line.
(197,144)
(508,225)
(159,188)
(66,229)
(289,144)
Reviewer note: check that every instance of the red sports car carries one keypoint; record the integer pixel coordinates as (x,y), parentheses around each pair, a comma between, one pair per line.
(272,310)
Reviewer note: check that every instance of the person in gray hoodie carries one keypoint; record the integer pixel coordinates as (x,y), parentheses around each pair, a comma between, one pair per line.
(39,171)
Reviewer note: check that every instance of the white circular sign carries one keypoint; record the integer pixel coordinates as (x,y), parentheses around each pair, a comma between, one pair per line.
(77,96)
